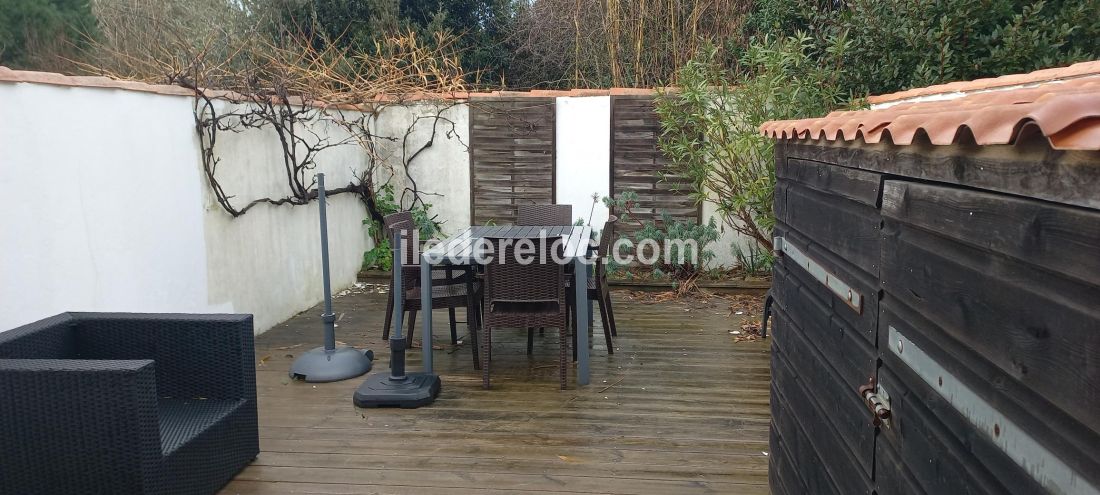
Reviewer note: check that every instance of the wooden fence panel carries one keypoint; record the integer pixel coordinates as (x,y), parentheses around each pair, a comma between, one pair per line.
(511,156)
(638,165)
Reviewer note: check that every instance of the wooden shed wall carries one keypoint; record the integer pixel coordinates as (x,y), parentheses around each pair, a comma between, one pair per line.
(979,271)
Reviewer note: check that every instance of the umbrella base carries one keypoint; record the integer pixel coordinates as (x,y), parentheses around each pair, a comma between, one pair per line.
(319,365)
(414,390)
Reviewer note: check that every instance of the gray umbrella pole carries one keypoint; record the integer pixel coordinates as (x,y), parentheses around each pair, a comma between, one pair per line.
(329,363)
(397,341)
(328,316)
(400,389)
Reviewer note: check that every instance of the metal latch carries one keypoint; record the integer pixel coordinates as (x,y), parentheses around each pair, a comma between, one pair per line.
(877,401)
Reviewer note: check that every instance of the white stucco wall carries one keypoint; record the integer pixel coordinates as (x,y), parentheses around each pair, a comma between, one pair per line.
(583,149)
(441,171)
(109,210)
(727,237)
(267,262)
(104,208)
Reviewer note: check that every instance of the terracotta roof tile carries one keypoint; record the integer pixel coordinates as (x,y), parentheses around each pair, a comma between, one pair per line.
(1065,111)
(1082,69)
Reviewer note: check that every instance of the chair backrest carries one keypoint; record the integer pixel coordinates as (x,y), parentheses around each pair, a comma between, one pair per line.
(394,219)
(544,215)
(607,239)
(509,281)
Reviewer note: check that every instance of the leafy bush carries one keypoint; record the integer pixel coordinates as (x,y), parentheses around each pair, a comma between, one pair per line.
(381,255)
(756,262)
(900,44)
(673,262)
(710,124)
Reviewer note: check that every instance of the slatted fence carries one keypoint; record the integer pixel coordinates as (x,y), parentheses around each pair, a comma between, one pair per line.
(639,166)
(511,156)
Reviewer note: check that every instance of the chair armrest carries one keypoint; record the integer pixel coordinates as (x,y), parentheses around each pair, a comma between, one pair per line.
(49,338)
(77,425)
(210,356)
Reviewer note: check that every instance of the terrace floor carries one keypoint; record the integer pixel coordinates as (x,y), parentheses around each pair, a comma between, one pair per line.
(679,408)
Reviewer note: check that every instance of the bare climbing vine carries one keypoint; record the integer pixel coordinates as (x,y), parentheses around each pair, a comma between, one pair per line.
(302,93)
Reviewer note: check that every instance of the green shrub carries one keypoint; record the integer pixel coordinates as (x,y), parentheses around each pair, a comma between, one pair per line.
(756,261)
(381,256)
(710,123)
(900,44)
(676,261)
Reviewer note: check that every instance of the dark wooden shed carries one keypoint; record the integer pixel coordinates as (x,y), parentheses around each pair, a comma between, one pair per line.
(937,296)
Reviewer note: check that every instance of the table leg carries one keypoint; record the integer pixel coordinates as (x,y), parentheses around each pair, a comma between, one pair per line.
(426,310)
(581,304)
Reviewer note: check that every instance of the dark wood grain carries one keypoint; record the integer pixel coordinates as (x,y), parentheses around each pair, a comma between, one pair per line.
(925,423)
(1061,239)
(826,408)
(854,184)
(1030,168)
(1039,327)
(864,322)
(988,259)
(846,228)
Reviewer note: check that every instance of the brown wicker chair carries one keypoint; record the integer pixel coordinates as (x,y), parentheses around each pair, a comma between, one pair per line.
(525,296)
(597,286)
(448,290)
(544,215)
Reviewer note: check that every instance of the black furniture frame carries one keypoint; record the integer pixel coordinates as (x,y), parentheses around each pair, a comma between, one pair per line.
(127,403)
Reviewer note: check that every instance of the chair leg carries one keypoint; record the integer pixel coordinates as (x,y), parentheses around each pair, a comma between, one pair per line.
(486,345)
(475,345)
(606,326)
(610,313)
(454,326)
(472,322)
(571,319)
(412,326)
(389,316)
(563,345)
(530,340)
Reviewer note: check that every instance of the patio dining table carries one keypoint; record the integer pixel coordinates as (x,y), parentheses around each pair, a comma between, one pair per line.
(461,250)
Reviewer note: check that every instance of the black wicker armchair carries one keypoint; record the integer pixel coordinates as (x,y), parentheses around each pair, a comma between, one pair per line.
(127,403)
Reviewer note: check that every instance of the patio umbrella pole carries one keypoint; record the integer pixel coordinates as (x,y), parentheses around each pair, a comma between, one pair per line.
(329,363)
(400,389)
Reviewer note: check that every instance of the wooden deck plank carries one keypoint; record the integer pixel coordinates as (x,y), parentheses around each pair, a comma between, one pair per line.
(679,408)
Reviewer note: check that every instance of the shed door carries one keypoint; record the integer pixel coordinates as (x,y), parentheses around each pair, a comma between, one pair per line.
(823,344)
(989,320)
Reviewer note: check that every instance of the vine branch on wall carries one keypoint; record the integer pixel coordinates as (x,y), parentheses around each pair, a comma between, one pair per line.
(298,90)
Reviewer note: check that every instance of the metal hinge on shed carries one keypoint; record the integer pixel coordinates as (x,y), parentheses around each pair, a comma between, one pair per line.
(839,287)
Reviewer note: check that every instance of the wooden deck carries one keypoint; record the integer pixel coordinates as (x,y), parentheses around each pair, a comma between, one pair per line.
(679,408)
